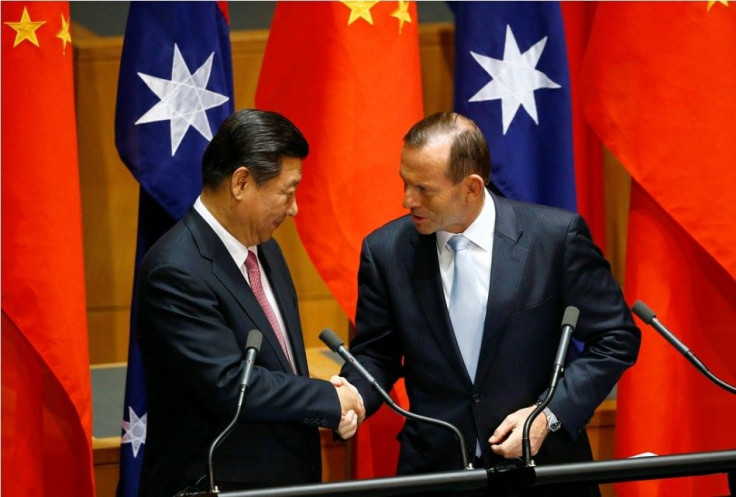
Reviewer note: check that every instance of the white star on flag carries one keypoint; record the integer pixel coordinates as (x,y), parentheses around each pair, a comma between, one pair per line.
(135,431)
(515,79)
(184,99)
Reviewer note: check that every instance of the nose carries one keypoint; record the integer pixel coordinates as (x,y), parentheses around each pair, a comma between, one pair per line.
(409,199)
(293,208)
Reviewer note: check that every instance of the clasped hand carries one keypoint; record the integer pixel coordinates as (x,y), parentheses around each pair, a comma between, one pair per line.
(506,440)
(351,405)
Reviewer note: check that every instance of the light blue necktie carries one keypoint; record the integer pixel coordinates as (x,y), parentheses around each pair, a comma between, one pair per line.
(466,307)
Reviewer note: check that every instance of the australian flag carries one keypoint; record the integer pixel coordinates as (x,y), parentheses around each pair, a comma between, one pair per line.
(512,79)
(174,91)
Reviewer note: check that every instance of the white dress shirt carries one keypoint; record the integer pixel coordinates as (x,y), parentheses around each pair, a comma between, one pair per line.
(480,234)
(239,252)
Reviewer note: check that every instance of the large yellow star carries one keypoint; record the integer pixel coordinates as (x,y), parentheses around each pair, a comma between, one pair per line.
(25,29)
(711,3)
(360,9)
(402,14)
(64,35)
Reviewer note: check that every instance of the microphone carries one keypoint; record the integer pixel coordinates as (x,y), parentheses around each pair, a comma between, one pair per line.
(647,315)
(252,346)
(569,321)
(335,344)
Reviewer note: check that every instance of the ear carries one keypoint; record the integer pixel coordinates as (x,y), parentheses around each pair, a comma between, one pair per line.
(239,181)
(475,186)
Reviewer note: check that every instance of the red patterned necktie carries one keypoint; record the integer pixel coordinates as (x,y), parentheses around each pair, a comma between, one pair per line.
(254,275)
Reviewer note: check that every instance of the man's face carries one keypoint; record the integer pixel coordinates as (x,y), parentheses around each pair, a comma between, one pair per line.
(434,201)
(270,203)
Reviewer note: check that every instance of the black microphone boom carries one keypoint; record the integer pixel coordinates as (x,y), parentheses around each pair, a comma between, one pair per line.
(569,321)
(252,346)
(647,315)
(335,344)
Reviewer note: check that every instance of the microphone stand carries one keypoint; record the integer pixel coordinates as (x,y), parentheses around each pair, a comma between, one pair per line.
(418,417)
(569,321)
(647,315)
(526,448)
(252,346)
(336,345)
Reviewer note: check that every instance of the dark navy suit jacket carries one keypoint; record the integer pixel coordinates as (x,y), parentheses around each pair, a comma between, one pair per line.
(543,260)
(196,310)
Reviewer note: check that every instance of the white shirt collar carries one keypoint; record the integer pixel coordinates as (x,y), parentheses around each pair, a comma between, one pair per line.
(237,250)
(478,232)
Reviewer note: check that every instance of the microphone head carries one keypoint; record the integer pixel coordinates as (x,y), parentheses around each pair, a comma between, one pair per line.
(643,311)
(254,340)
(330,339)
(570,318)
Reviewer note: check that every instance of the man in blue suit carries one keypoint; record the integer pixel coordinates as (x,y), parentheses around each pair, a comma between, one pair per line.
(464,298)
(203,286)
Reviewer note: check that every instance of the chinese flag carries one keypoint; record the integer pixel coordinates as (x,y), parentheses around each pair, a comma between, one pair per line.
(46,398)
(660,81)
(348,75)
(587,149)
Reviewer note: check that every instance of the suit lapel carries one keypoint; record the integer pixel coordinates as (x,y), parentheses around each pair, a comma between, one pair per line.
(275,270)
(427,283)
(225,270)
(507,267)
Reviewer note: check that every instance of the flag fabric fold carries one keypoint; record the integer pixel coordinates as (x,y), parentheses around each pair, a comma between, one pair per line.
(587,147)
(659,79)
(661,102)
(348,75)
(46,392)
(175,88)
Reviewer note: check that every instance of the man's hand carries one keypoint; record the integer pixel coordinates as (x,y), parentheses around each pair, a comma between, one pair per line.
(348,425)
(506,439)
(350,399)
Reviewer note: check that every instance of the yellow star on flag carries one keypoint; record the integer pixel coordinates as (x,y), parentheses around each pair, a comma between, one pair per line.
(402,14)
(711,3)
(64,35)
(360,10)
(25,29)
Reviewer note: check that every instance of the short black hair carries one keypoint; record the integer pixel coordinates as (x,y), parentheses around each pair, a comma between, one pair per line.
(255,139)
(469,153)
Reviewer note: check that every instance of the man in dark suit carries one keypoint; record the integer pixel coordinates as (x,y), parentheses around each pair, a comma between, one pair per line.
(482,367)
(203,286)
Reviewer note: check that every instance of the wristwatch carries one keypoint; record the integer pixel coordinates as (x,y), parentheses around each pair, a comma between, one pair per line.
(553,424)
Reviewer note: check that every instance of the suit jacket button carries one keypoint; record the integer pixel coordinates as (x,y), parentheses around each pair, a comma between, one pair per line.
(477,397)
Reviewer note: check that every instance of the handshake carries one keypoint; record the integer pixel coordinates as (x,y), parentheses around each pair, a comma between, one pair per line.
(351,405)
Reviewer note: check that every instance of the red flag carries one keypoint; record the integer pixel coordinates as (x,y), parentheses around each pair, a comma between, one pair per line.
(46,398)
(587,148)
(348,75)
(660,94)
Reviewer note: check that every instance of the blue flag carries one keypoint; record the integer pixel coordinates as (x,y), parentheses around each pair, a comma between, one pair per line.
(175,89)
(512,79)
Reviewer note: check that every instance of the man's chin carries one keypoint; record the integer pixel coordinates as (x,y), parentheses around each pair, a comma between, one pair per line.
(422,225)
